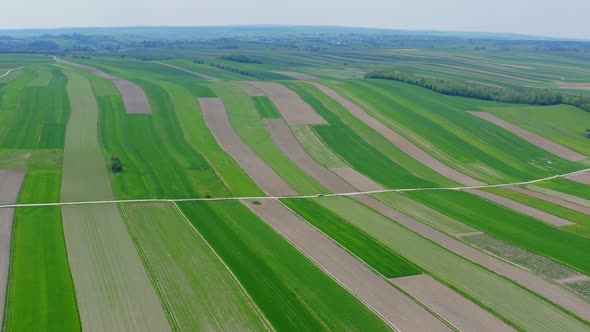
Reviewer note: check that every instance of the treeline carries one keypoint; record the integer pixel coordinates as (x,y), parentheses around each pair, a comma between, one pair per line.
(240,58)
(480,91)
(232,69)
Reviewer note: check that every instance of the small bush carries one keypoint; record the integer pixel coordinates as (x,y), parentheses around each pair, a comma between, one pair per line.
(116,165)
(587,133)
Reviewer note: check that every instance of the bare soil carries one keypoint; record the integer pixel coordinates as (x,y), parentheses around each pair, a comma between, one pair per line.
(6,217)
(134,98)
(521,208)
(356,179)
(398,140)
(574,86)
(525,278)
(218,122)
(297,76)
(207,77)
(286,141)
(539,141)
(555,200)
(293,109)
(581,178)
(457,310)
(395,307)
(10,183)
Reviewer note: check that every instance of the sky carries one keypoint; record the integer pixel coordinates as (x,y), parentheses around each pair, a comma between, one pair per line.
(553,18)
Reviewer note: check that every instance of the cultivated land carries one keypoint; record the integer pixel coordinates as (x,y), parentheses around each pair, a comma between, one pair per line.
(460,312)
(367,286)
(537,140)
(10,183)
(211,125)
(184,268)
(292,108)
(218,123)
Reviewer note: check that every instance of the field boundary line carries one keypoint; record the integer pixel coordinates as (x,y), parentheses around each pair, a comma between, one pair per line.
(267,325)
(245,198)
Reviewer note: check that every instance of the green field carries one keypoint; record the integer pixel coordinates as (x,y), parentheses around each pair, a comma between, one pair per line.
(163,233)
(461,140)
(83,159)
(291,291)
(184,269)
(265,107)
(40,293)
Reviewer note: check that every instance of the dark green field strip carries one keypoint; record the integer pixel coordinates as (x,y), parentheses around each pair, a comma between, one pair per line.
(582,221)
(265,107)
(292,292)
(53,135)
(40,293)
(443,122)
(510,226)
(25,118)
(568,187)
(357,152)
(157,160)
(382,259)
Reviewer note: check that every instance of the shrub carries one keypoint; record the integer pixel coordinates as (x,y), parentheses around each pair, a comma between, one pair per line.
(116,165)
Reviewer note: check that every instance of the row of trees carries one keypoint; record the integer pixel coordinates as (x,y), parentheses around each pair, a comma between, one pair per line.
(486,92)
(240,58)
(232,69)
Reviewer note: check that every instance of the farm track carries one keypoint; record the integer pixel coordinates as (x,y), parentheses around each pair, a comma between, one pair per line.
(10,71)
(242,198)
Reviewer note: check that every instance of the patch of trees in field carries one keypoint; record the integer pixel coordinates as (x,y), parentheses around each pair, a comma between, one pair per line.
(241,58)
(480,91)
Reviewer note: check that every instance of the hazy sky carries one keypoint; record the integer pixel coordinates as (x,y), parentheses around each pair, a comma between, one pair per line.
(560,18)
